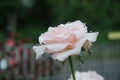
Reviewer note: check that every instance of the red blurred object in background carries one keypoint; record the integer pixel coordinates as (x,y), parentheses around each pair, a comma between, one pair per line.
(10,42)
(11,62)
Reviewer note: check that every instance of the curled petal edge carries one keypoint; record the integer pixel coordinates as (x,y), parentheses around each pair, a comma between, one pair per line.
(39,50)
(92,36)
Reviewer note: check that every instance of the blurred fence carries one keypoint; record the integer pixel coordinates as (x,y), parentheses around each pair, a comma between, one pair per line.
(21,64)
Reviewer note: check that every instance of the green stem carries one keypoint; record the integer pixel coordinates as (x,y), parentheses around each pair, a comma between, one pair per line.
(72,67)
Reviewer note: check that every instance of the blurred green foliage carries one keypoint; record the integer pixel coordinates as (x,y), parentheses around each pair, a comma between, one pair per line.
(99,15)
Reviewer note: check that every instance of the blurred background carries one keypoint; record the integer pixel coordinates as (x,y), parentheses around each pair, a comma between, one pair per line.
(22,21)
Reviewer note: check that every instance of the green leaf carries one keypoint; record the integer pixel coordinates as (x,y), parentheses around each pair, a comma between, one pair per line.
(81,60)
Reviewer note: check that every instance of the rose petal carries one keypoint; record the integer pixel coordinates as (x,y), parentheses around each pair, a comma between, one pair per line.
(77,24)
(39,50)
(71,39)
(78,28)
(64,55)
(42,38)
(56,34)
(78,34)
(90,75)
(57,47)
(92,36)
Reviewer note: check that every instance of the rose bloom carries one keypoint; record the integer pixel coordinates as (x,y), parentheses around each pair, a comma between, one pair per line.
(64,40)
(90,75)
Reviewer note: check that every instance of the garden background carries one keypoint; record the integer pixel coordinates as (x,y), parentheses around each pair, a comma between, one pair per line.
(22,21)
